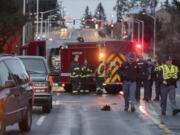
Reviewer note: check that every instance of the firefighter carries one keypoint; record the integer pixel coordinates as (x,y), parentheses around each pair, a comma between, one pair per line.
(75,75)
(169,77)
(128,73)
(85,74)
(142,80)
(100,78)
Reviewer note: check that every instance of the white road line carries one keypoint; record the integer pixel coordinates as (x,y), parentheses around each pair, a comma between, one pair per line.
(163,127)
(40,120)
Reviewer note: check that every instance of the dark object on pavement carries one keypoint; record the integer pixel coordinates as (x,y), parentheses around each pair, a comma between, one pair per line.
(106,108)
(176,111)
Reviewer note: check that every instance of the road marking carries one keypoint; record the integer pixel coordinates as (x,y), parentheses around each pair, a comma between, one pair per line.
(40,120)
(163,127)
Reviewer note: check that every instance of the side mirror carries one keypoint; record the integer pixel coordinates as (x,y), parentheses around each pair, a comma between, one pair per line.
(10,83)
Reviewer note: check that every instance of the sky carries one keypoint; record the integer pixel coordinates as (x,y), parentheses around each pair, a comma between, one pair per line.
(75,8)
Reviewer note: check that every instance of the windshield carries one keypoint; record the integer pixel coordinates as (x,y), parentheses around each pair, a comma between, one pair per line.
(34,66)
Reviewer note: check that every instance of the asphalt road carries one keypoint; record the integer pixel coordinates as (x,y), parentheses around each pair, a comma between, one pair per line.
(82,115)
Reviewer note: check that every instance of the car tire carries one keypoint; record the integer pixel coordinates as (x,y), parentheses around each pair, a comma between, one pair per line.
(46,109)
(2,126)
(25,124)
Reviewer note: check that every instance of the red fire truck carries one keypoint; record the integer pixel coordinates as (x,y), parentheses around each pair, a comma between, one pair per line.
(112,52)
(36,48)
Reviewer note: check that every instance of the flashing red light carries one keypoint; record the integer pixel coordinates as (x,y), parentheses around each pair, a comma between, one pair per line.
(139,46)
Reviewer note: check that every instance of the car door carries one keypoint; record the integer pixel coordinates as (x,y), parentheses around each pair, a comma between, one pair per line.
(21,77)
(9,93)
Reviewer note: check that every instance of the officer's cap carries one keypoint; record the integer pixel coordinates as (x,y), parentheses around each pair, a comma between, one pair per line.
(168,57)
(130,56)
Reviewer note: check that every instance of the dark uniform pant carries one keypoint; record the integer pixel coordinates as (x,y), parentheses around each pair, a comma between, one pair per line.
(76,84)
(84,83)
(100,81)
(165,91)
(145,84)
(157,89)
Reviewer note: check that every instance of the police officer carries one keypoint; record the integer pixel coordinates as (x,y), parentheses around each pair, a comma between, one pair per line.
(128,73)
(157,80)
(169,76)
(85,74)
(142,79)
(150,78)
(75,75)
(100,78)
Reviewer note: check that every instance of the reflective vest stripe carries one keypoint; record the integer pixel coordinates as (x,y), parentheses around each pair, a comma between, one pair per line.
(101,74)
(169,72)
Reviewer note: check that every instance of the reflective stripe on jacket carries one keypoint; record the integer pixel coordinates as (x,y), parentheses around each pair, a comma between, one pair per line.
(75,71)
(86,71)
(101,70)
(169,72)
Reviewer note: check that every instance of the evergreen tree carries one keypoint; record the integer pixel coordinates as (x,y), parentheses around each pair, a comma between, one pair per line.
(166,4)
(153,5)
(11,20)
(176,3)
(121,8)
(87,18)
(100,13)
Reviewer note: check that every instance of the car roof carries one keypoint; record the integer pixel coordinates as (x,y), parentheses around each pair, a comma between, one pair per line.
(34,57)
(7,56)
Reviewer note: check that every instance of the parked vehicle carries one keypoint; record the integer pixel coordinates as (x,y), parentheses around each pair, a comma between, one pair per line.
(37,67)
(112,53)
(15,94)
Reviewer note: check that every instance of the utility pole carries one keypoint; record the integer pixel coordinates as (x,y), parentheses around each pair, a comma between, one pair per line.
(37,18)
(24,27)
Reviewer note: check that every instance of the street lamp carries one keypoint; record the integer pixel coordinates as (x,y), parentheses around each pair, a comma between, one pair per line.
(47,24)
(42,15)
(142,34)
(37,19)
(24,27)
(154,44)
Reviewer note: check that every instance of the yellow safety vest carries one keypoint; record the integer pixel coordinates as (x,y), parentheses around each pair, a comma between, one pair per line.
(169,72)
(99,72)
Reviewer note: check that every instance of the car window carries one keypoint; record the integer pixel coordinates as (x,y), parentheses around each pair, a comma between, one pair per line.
(4,74)
(18,70)
(34,66)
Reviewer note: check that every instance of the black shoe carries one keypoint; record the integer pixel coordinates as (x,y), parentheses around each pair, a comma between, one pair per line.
(163,113)
(106,108)
(133,109)
(125,109)
(175,112)
(156,99)
(146,99)
(138,101)
(99,92)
